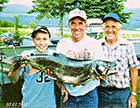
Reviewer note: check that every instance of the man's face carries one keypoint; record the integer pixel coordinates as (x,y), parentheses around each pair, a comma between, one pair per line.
(41,42)
(111,29)
(77,26)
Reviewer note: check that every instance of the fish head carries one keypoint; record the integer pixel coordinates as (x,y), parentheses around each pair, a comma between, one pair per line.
(12,60)
(102,67)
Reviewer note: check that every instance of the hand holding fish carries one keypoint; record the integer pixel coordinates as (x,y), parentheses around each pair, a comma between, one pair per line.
(50,74)
(101,77)
(31,69)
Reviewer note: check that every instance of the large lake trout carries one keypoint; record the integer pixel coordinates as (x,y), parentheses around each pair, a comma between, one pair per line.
(65,69)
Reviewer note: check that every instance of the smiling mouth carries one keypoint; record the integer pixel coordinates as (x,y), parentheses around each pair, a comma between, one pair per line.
(41,47)
(77,32)
(110,34)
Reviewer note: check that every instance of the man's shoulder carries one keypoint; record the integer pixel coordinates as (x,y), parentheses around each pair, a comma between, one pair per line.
(100,41)
(50,51)
(125,41)
(64,40)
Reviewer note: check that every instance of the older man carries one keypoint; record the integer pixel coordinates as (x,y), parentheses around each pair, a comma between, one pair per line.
(79,45)
(116,92)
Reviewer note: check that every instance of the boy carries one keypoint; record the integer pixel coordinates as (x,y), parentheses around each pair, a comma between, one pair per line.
(37,89)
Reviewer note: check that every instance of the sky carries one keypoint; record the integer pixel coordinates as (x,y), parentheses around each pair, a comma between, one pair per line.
(128,4)
(24,2)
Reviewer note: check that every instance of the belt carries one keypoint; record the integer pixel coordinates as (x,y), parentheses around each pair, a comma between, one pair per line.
(112,88)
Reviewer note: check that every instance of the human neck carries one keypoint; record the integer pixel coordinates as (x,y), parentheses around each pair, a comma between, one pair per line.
(41,52)
(76,39)
(111,42)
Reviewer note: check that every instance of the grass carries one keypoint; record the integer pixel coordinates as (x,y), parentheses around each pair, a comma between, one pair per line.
(138,93)
(130,36)
(22,31)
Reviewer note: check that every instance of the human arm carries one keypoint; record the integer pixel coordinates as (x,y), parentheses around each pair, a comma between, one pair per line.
(134,83)
(59,84)
(14,75)
(63,91)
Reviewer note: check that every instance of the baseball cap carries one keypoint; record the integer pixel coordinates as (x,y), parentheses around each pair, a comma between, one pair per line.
(77,13)
(40,29)
(111,16)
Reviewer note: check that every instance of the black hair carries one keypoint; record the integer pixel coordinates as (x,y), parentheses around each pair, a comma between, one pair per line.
(42,29)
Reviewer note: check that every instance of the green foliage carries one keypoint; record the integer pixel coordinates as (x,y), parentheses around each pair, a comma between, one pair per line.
(3,31)
(2,4)
(65,35)
(32,25)
(22,31)
(16,33)
(16,23)
(9,24)
(51,9)
(99,8)
(94,9)
(6,23)
(138,93)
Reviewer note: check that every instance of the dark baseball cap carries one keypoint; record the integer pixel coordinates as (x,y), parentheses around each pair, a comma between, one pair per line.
(40,29)
(111,16)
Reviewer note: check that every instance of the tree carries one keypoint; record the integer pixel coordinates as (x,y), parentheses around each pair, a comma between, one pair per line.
(93,8)
(32,25)
(51,9)
(16,33)
(2,4)
(99,8)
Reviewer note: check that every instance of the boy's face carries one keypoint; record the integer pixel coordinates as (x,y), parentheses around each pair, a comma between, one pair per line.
(41,42)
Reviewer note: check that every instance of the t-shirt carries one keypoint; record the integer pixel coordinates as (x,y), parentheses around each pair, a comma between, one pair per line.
(71,49)
(37,89)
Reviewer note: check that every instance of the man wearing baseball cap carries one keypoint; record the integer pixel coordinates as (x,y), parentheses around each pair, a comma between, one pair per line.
(116,92)
(79,46)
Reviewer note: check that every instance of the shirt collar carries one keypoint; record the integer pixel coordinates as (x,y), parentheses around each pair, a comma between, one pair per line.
(119,41)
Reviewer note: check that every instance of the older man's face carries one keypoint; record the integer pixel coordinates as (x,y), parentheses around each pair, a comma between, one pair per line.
(111,29)
(77,26)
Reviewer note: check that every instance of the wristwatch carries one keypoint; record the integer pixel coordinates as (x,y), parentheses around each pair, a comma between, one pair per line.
(133,93)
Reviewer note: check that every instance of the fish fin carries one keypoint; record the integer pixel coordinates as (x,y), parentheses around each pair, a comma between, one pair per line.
(16,66)
(52,77)
(111,73)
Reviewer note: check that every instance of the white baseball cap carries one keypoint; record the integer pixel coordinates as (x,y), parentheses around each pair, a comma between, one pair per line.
(77,13)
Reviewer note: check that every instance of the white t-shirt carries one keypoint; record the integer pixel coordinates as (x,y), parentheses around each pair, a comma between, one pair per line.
(66,46)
